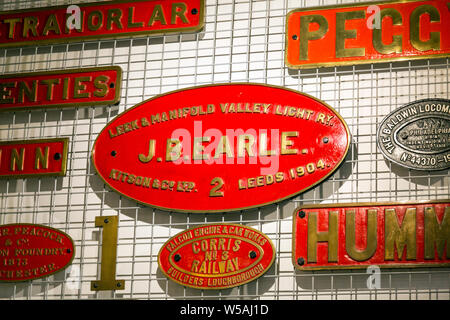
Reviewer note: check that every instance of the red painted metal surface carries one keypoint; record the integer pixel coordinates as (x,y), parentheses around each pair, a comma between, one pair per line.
(61,88)
(367,33)
(216,256)
(31,251)
(221,147)
(111,19)
(23,159)
(422,237)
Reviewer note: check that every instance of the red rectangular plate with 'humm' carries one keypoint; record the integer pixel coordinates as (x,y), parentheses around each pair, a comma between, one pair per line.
(100,20)
(61,88)
(390,235)
(367,33)
(24,159)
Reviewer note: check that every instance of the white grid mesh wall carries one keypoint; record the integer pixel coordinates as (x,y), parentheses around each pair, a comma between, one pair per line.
(243,41)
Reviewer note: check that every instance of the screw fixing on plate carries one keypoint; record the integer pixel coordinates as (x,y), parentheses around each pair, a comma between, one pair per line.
(301,214)
(300,261)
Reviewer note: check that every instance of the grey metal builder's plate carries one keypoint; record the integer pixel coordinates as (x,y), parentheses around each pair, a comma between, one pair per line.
(417,135)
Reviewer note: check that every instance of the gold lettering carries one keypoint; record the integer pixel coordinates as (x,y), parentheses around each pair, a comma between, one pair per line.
(65,92)
(12,24)
(263,145)
(157,15)
(5,93)
(437,234)
(151,152)
(90,20)
(41,160)
(285,142)
(178,10)
(173,149)
(194,267)
(78,86)
(30,23)
(306,35)
(198,148)
(50,83)
(342,34)
(17,160)
(245,143)
(51,25)
(101,83)
(396,44)
(114,15)
(132,24)
(434,43)
(330,236)
(397,237)
(30,93)
(223,147)
(350,235)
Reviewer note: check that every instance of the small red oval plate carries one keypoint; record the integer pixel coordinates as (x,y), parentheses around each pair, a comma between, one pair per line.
(31,251)
(216,256)
(221,148)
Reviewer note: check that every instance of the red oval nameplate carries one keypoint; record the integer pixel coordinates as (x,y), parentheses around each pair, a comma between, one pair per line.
(216,256)
(31,251)
(221,147)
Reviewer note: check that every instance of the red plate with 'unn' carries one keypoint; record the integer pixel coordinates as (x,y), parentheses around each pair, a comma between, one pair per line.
(31,158)
(221,147)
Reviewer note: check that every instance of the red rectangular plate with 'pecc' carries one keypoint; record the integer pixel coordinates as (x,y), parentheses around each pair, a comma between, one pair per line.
(24,159)
(100,20)
(370,32)
(391,235)
(61,88)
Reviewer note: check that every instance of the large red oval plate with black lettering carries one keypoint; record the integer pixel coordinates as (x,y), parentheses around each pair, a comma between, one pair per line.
(31,251)
(221,148)
(216,256)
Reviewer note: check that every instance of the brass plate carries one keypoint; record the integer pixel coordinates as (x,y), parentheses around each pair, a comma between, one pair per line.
(216,256)
(100,20)
(358,235)
(344,34)
(33,158)
(61,88)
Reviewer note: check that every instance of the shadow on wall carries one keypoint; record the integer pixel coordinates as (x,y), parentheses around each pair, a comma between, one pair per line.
(424,178)
(20,119)
(251,290)
(368,67)
(388,280)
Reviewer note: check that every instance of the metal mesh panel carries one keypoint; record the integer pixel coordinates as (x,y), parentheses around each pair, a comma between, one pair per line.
(243,41)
